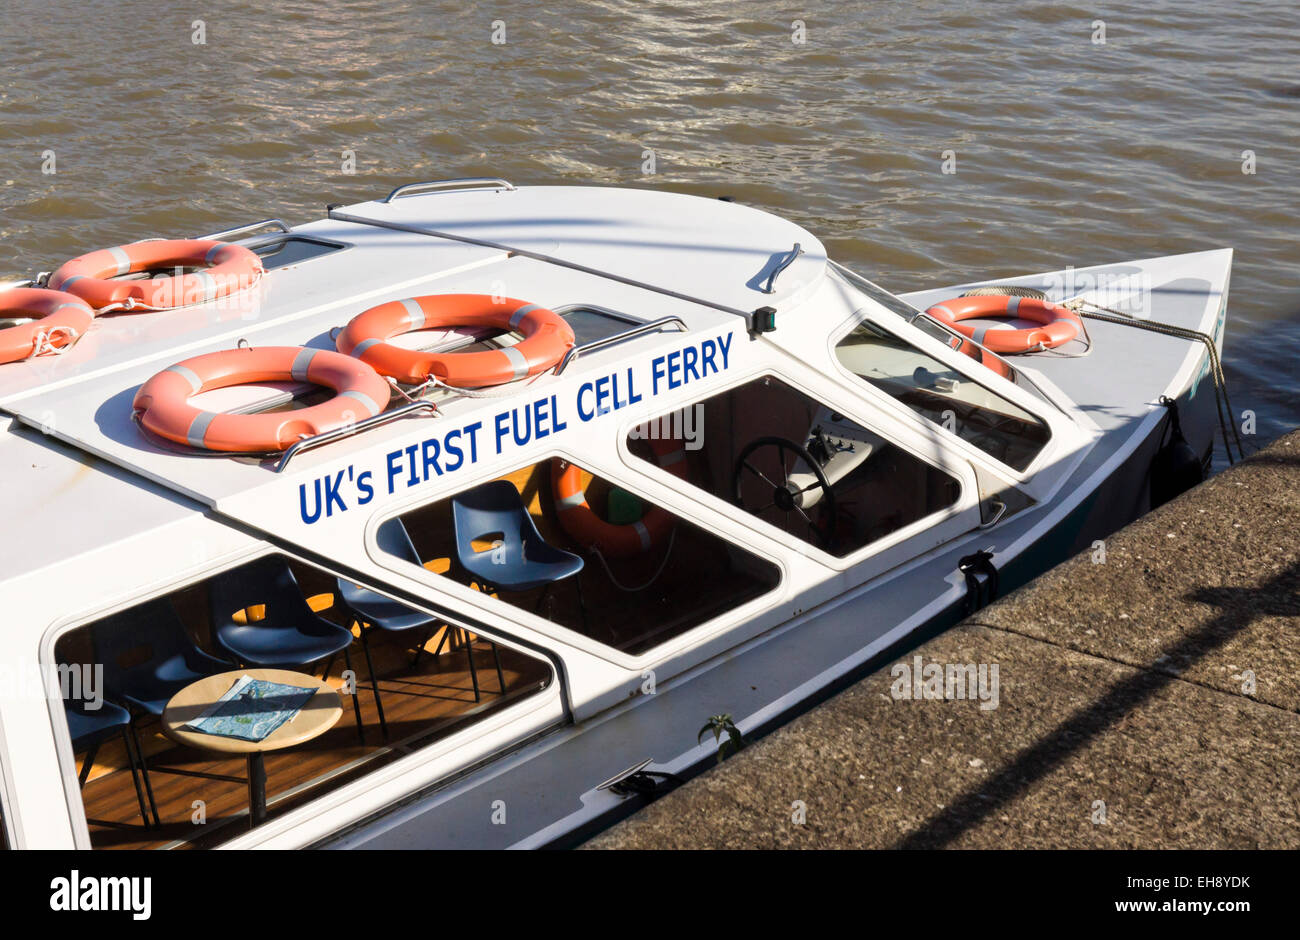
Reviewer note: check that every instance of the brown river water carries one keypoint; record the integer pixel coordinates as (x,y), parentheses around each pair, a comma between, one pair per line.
(1069,150)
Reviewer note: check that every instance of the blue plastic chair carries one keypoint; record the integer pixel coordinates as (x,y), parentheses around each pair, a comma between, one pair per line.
(162,658)
(520,559)
(89,728)
(162,661)
(290,634)
(371,609)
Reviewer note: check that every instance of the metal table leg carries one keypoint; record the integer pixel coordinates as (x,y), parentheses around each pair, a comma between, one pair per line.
(256,789)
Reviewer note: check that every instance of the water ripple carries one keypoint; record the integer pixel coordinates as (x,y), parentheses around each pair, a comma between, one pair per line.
(1068,151)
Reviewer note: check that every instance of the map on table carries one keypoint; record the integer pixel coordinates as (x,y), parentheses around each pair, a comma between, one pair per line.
(252,709)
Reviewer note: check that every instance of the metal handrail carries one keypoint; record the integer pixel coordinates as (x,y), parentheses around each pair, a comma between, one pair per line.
(624,774)
(997,516)
(771,278)
(250,227)
(642,328)
(328,437)
(490,182)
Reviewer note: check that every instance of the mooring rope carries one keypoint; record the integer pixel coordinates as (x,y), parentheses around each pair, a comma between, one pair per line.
(1108,315)
(1221,401)
(1112,316)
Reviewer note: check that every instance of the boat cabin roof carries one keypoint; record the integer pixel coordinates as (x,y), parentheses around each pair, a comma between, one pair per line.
(717,251)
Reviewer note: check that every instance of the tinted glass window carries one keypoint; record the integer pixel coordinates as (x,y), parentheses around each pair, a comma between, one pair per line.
(429,677)
(281,252)
(942,395)
(583,552)
(798,464)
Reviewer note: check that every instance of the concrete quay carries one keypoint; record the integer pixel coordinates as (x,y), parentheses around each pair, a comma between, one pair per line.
(1148,701)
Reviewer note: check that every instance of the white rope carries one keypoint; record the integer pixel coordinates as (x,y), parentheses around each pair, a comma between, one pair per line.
(416,390)
(653,578)
(43,341)
(132,304)
(1084,337)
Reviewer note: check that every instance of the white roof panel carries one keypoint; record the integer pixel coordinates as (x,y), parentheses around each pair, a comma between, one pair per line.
(709,248)
(719,251)
(378,264)
(61,503)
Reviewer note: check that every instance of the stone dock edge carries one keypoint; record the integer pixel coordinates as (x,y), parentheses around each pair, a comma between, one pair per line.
(1147,697)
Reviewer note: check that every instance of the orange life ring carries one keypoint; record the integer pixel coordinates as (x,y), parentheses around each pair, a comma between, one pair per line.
(59,320)
(614,541)
(1059,324)
(547,337)
(163,407)
(227,268)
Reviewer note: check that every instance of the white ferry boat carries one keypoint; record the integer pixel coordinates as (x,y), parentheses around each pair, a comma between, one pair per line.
(539,478)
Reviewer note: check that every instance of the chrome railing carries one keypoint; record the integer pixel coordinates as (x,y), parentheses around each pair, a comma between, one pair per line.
(771,279)
(250,227)
(328,437)
(614,339)
(469,182)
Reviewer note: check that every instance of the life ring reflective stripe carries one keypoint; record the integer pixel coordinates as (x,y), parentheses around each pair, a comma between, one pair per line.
(227,268)
(614,541)
(1059,324)
(59,319)
(163,405)
(547,337)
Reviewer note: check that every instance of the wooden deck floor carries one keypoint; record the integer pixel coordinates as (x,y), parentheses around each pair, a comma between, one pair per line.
(420,705)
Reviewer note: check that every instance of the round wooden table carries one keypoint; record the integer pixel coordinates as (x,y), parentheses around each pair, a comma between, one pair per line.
(317,716)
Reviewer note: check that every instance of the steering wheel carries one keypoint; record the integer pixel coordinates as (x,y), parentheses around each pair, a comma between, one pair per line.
(785,495)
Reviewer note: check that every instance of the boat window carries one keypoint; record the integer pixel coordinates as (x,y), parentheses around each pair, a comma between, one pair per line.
(942,395)
(942,333)
(590,324)
(797,464)
(118,673)
(583,552)
(293,249)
